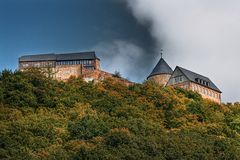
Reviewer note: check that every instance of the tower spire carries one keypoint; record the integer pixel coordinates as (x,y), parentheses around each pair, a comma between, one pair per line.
(161,53)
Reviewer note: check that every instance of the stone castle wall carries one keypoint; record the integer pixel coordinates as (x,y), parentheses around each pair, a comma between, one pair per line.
(63,73)
(206,93)
(161,79)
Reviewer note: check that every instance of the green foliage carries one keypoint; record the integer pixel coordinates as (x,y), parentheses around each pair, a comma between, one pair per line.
(1,92)
(41,118)
(87,128)
(189,94)
(118,137)
(107,103)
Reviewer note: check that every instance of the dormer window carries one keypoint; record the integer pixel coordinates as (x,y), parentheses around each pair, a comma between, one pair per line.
(203,82)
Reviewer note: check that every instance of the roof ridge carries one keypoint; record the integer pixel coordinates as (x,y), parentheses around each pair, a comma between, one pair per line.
(161,68)
(193,72)
(59,56)
(192,76)
(76,52)
(45,54)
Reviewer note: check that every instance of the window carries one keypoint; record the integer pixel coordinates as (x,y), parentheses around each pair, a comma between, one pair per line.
(25,65)
(89,67)
(203,82)
(36,64)
(178,79)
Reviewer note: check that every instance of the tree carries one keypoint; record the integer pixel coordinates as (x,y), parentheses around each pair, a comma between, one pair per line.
(117,74)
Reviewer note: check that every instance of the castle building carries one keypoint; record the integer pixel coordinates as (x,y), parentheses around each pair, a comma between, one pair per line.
(163,75)
(64,66)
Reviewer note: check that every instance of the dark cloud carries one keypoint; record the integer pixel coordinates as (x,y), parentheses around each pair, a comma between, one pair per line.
(131,49)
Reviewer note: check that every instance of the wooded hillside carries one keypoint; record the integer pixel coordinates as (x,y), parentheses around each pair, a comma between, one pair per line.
(45,119)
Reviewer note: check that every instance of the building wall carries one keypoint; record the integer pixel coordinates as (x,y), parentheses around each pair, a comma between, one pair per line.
(177,77)
(99,75)
(64,72)
(40,64)
(184,85)
(97,64)
(206,93)
(161,79)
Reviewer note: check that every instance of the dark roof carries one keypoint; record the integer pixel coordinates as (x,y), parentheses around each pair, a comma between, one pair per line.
(58,57)
(193,76)
(38,57)
(76,56)
(161,68)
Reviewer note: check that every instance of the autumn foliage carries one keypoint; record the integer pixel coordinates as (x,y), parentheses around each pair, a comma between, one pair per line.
(41,118)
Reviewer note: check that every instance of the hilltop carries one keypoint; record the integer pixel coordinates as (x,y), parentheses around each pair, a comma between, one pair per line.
(42,118)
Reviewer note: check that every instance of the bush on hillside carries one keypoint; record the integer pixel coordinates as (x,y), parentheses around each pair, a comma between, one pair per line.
(41,118)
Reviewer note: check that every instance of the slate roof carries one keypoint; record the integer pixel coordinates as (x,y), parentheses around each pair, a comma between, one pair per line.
(58,57)
(192,76)
(161,68)
(39,57)
(76,56)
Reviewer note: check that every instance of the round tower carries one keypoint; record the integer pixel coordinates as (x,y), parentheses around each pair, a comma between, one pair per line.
(161,73)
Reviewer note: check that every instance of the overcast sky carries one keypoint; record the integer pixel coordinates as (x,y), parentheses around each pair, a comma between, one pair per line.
(202,36)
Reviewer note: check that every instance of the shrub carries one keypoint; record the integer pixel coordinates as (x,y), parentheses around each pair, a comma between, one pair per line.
(118,137)
(87,128)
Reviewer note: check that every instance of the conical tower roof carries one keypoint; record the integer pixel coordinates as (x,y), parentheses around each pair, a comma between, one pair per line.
(161,68)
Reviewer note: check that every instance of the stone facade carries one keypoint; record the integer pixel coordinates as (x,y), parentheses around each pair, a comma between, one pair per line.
(163,75)
(179,79)
(62,70)
(206,92)
(37,64)
(161,79)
